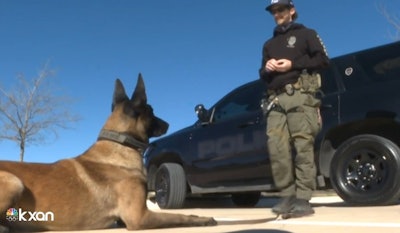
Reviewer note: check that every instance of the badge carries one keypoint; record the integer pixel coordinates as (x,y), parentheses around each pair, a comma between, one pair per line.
(291,42)
(348,71)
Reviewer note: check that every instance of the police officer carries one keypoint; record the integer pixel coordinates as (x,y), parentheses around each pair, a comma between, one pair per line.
(294,51)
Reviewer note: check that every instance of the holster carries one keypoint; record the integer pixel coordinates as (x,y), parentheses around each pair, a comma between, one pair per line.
(269,103)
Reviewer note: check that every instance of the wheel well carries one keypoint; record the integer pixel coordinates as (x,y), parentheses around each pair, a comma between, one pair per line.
(381,126)
(166,158)
(155,163)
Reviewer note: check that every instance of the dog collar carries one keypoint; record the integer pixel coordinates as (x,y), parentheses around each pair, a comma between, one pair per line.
(123,139)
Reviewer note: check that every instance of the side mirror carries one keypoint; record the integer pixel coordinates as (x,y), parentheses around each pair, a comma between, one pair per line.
(201,112)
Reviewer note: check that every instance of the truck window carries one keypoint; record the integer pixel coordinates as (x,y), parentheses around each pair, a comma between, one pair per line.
(381,64)
(242,100)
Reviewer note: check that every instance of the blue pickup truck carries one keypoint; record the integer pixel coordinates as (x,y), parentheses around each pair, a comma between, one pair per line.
(357,151)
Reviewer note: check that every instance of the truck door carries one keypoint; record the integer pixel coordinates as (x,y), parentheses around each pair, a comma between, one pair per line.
(232,148)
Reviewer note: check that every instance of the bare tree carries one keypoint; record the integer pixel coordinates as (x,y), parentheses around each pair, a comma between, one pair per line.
(31,112)
(392,19)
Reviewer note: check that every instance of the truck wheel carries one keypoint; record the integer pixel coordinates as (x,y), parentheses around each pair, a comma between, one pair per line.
(248,199)
(170,185)
(365,170)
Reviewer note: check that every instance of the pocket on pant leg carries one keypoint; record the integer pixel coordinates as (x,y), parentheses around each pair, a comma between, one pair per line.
(312,105)
(276,123)
(312,117)
(277,133)
(303,120)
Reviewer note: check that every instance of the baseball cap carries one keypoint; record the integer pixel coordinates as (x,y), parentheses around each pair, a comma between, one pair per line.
(288,3)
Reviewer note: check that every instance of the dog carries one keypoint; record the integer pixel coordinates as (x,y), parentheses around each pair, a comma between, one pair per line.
(104,185)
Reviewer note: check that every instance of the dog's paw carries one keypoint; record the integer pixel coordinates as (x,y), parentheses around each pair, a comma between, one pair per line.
(203,221)
(211,222)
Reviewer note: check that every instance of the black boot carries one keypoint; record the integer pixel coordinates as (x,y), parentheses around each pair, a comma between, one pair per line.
(301,207)
(284,205)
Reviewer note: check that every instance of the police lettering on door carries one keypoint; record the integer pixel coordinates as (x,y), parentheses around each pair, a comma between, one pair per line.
(231,144)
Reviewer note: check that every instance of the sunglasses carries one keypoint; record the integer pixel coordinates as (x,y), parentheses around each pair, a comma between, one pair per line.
(278,10)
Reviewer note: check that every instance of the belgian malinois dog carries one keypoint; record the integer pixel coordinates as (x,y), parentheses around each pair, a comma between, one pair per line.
(104,185)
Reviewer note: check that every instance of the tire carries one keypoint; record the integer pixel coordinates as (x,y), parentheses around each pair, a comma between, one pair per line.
(170,186)
(249,199)
(365,170)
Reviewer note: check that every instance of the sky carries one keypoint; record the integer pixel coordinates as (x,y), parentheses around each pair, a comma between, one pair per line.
(188,51)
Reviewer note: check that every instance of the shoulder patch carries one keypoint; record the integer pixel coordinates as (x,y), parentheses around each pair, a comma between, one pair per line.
(322,44)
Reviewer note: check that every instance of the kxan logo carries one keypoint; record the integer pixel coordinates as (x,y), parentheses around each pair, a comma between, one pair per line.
(13,215)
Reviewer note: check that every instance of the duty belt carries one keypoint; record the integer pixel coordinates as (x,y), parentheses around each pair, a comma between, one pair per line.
(288,89)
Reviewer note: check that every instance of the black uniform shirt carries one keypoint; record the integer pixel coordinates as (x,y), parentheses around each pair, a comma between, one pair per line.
(297,43)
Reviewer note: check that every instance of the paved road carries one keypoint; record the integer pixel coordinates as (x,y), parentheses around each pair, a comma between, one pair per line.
(332,216)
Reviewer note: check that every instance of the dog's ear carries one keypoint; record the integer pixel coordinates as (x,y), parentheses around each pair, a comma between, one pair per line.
(139,97)
(119,94)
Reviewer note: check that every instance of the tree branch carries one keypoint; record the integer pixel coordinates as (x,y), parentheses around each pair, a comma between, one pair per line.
(31,110)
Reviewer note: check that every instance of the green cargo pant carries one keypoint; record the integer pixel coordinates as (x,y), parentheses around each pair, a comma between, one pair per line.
(295,124)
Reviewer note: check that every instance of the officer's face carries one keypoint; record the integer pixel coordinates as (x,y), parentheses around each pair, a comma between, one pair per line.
(282,14)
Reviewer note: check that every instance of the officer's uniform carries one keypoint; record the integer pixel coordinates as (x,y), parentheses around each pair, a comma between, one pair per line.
(294,118)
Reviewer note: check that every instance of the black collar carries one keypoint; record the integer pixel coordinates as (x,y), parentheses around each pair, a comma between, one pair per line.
(123,139)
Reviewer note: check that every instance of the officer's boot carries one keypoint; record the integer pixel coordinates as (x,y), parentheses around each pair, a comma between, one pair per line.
(301,207)
(284,205)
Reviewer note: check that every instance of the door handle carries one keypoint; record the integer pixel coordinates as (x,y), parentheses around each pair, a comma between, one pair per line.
(326,106)
(247,124)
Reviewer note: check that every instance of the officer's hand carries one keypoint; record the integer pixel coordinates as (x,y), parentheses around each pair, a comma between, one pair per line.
(271,65)
(283,65)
